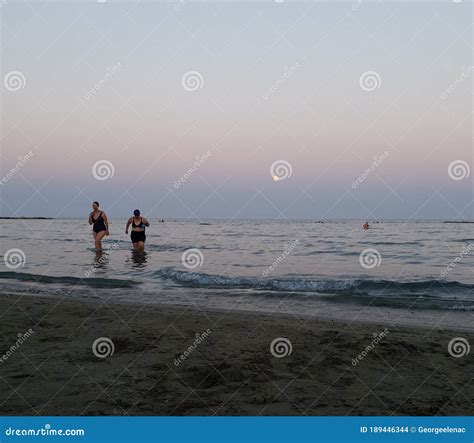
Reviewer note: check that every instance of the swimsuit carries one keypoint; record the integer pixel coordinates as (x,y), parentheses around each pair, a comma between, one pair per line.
(138,236)
(98,223)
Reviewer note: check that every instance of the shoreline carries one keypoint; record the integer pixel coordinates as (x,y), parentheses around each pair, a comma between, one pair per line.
(229,370)
(324,311)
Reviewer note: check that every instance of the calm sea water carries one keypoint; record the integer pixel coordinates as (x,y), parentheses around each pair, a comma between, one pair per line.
(251,264)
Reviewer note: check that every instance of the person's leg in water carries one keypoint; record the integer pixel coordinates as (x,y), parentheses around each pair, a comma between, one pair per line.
(98,236)
(135,240)
(140,246)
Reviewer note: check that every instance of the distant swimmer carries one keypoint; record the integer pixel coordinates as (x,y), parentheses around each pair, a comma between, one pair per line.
(365,226)
(100,223)
(138,230)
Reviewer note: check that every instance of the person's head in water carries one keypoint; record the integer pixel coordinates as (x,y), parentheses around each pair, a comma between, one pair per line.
(136,213)
(95,206)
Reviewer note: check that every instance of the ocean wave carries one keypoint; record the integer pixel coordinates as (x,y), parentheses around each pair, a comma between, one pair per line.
(424,288)
(395,243)
(95,282)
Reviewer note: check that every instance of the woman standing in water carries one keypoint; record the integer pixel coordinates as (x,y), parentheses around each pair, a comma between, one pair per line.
(100,223)
(138,230)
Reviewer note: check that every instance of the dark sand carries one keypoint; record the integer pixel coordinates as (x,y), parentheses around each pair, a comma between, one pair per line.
(231,372)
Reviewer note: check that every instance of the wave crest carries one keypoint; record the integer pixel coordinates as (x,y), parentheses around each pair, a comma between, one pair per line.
(298,284)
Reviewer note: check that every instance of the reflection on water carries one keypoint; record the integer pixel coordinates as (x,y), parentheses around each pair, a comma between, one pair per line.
(139,259)
(100,260)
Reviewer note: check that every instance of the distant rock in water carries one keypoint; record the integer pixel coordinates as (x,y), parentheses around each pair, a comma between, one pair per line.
(26,218)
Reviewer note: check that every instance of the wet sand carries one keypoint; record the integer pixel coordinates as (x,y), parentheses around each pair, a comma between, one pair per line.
(186,361)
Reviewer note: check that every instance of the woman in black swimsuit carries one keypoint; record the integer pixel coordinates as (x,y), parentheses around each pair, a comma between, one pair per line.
(138,230)
(100,221)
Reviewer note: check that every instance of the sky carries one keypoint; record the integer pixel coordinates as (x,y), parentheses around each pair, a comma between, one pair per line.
(181,109)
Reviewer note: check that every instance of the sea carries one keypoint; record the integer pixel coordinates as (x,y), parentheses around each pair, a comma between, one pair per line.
(275,266)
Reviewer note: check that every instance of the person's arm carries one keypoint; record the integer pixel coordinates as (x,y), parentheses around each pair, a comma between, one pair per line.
(129,222)
(90,218)
(145,222)
(106,223)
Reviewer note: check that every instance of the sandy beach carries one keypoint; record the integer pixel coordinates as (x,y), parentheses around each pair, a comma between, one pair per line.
(183,361)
